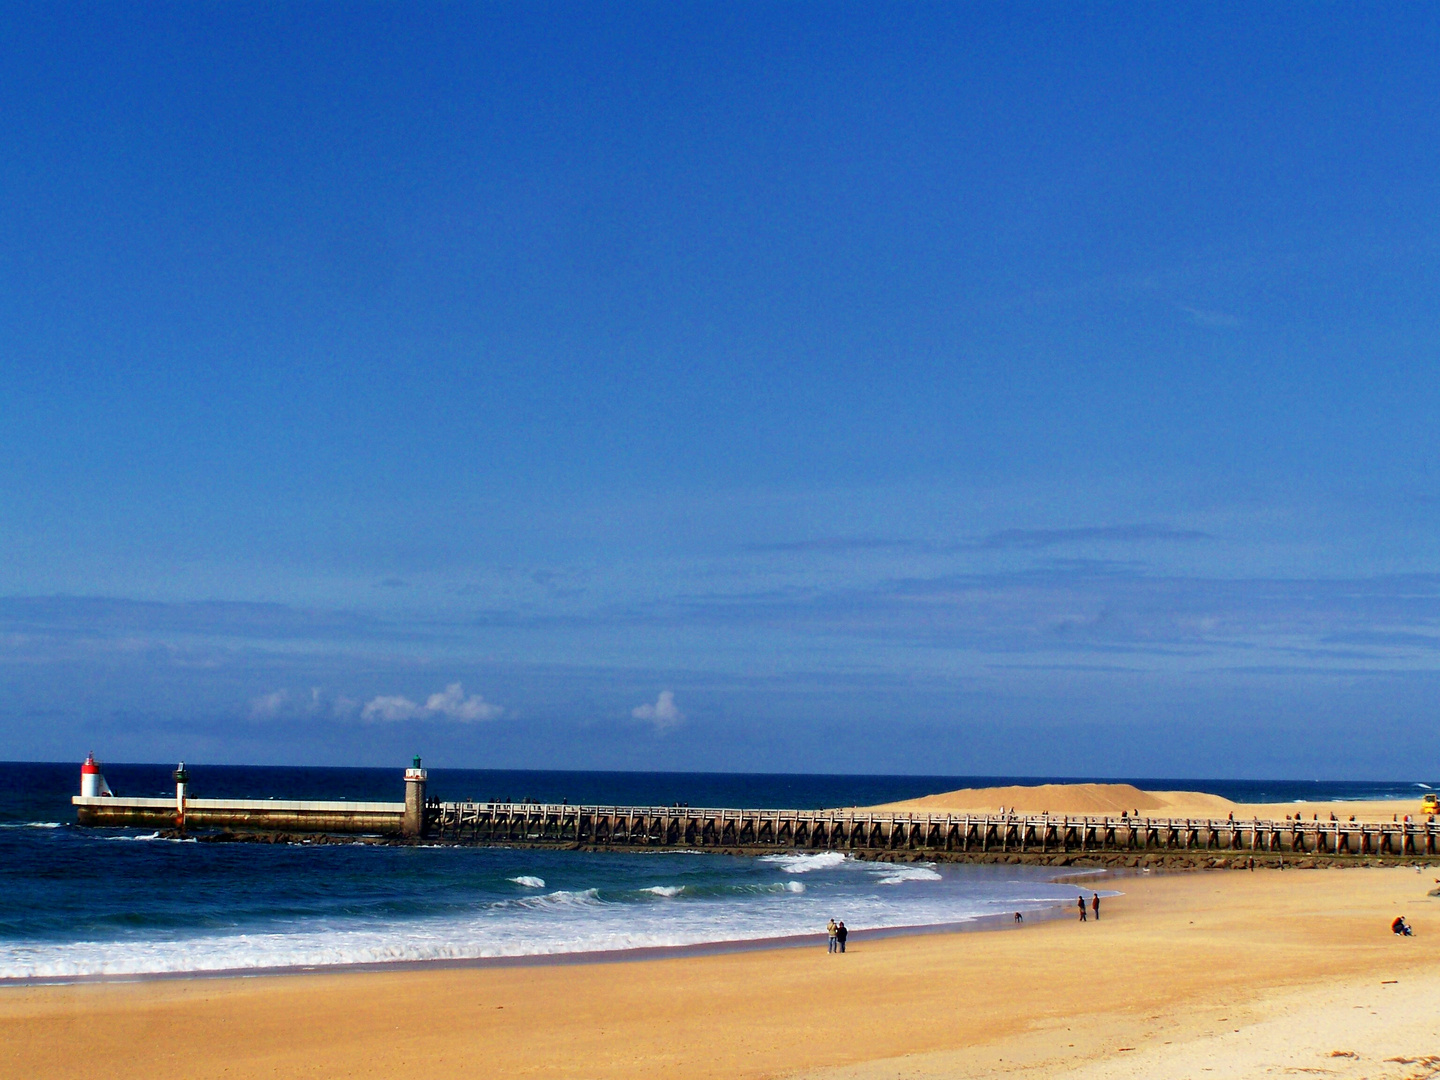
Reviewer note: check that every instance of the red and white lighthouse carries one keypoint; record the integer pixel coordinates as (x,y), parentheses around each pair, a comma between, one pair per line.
(92,780)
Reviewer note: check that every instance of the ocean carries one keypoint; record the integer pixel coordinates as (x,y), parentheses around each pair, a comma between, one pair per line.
(112,902)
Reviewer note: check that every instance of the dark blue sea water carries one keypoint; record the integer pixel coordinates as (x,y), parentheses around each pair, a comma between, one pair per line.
(86,901)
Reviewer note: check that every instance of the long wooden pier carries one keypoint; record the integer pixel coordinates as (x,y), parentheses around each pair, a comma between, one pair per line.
(551,824)
(862,832)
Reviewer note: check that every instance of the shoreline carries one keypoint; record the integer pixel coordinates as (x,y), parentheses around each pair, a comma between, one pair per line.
(1060,910)
(980,924)
(1184,972)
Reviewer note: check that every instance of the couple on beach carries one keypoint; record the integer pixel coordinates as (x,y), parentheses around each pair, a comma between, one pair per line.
(1095,903)
(838,934)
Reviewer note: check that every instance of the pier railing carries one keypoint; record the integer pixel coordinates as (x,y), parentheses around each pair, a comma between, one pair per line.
(856,830)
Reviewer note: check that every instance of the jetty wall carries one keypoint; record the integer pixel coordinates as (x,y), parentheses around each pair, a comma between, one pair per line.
(259,815)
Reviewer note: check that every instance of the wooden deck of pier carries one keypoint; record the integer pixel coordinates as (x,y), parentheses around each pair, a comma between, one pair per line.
(857,831)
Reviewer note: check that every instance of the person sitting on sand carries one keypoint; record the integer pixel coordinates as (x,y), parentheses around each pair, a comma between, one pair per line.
(830,929)
(1080,901)
(1401,927)
(841,934)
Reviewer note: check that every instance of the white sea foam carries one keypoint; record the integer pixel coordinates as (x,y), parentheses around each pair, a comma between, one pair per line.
(560,921)
(804,864)
(559,898)
(1041,901)
(32,824)
(528,881)
(153,836)
(898,874)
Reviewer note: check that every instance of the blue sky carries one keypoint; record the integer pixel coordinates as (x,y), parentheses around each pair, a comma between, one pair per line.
(1010,389)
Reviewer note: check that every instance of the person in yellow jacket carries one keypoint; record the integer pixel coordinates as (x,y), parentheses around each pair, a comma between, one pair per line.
(830,929)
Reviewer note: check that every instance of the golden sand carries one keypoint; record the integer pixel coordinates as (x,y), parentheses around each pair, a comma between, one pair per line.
(1157,988)
(1098,799)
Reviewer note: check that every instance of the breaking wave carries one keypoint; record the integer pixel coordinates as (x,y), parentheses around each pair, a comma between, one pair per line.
(899,873)
(243,909)
(152,836)
(804,864)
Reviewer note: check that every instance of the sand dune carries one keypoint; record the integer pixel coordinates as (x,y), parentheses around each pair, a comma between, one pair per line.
(1069,799)
(1099,799)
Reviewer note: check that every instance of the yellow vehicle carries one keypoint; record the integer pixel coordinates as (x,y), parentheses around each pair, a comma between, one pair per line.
(1430,805)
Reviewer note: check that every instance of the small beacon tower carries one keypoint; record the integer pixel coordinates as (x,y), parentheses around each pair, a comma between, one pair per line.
(92,780)
(413,823)
(182,784)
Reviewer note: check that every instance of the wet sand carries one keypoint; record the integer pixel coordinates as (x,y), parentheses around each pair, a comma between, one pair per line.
(1157,987)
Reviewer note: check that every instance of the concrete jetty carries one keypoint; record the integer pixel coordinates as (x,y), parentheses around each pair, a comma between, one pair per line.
(860,832)
(254,815)
(259,815)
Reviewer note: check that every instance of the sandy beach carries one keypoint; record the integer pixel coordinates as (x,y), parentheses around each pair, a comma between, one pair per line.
(1182,976)
(1101,799)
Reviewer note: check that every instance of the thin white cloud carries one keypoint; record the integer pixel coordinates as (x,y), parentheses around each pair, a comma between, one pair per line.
(1216,320)
(390,709)
(453,704)
(664,714)
(315,702)
(449,704)
(269,706)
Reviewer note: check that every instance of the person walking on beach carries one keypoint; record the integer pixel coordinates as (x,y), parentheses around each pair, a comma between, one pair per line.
(834,941)
(841,934)
(1095,905)
(1080,901)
